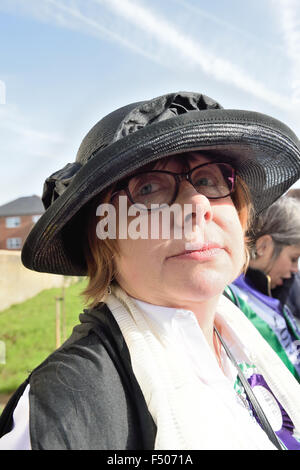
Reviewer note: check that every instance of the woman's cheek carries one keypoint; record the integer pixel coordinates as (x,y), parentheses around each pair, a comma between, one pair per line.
(236,246)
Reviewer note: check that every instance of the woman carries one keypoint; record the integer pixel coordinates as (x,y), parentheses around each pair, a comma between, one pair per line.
(293,300)
(154,211)
(265,286)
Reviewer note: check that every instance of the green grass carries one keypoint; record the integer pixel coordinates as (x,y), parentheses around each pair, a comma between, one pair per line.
(28,331)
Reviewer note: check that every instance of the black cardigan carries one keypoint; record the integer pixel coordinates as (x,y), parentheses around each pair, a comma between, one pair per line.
(85,395)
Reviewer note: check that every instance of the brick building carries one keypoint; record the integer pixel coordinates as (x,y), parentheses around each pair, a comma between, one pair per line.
(17,219)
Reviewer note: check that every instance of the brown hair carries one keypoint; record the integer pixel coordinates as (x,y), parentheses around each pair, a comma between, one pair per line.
(100,254)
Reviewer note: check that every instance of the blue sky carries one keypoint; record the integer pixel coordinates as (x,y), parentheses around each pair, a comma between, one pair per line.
(64,64)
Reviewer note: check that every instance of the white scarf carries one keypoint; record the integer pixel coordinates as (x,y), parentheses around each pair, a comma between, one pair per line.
(190,414)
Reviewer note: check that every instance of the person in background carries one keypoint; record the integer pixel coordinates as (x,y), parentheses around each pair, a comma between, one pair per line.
(161,359)
(262,291)
(293,298)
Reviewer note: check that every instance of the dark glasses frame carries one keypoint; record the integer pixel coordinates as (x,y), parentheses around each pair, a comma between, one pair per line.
(178,177)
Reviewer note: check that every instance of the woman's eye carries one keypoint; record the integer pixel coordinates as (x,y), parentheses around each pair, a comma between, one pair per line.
(147,189)
(205,182)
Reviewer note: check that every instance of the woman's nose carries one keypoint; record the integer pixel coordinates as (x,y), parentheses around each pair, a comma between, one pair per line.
(196,208)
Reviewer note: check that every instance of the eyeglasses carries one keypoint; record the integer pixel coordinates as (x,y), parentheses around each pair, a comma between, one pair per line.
(213,180)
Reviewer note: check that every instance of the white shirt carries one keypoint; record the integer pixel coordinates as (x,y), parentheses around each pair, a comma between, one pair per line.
(18,438)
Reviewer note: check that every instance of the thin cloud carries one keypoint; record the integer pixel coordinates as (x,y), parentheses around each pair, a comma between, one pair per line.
(289,19)
(12,120)
(17,133)
(70,16)
(193,52)
(28,153)
(200,12)
(153,37)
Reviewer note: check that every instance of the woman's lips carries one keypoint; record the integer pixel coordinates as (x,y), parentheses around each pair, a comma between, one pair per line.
(206,252)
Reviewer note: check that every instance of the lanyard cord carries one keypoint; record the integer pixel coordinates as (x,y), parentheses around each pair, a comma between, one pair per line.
(259,411)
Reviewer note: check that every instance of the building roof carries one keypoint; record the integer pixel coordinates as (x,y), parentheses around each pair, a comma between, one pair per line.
(30,205)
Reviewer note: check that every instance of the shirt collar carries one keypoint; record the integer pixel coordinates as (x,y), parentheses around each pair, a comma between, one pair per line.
(168,320)
(163,316)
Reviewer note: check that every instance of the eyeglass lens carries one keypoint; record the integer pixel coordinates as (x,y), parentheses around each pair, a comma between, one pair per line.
(213,180)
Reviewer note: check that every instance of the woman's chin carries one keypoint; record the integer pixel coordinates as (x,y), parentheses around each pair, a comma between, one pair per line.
(202,287)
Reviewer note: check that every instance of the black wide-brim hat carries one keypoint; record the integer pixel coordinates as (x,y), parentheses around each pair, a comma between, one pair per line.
(264,151)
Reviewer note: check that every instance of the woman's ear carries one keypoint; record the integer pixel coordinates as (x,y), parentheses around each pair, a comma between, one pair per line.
(264,246)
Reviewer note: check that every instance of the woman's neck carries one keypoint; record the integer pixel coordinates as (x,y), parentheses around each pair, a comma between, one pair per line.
(204,312)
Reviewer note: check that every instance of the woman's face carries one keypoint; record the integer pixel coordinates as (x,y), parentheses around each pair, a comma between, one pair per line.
(195,267)
(285,265)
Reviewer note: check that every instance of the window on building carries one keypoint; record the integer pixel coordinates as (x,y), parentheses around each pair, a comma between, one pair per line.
(13,243)
(35,218)
(12,222)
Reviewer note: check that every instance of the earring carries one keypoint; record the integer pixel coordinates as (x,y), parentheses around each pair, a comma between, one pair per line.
(109,290)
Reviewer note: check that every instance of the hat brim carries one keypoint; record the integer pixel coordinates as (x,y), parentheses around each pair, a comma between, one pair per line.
(265,152)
